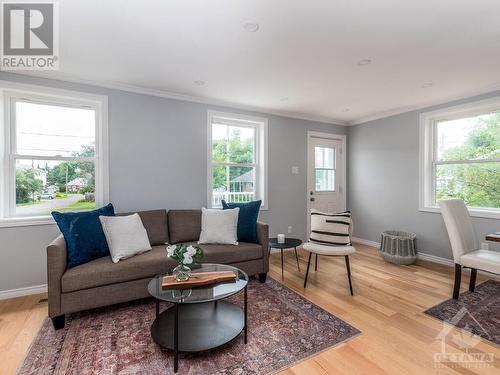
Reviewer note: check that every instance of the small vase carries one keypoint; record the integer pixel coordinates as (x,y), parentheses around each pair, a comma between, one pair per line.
(181,273)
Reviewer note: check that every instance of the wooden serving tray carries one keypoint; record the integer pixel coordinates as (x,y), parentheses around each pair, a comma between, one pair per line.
(198,279)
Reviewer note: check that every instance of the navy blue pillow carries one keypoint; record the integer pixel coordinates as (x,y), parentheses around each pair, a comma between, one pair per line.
(85,240)
(247,219)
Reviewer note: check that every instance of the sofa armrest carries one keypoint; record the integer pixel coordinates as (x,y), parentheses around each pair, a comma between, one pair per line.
(56,266)
(263,238)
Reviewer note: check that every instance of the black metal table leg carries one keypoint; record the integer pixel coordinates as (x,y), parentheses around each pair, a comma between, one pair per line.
(316,264)
(176,338)
(282,265)
(157,308)
(297,258)
(246,319)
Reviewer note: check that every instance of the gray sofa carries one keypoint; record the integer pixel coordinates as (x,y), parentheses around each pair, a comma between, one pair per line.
(102,282)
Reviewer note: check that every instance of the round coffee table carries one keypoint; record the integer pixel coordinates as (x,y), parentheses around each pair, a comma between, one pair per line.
(199,320)
(288,244)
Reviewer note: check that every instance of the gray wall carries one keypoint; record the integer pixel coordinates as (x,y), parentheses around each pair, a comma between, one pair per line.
(158,160)
(383,184)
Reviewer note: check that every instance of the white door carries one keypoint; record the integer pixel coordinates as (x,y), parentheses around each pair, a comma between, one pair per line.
(325,175)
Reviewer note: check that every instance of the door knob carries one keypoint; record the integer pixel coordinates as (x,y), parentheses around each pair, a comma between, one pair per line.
(312,199)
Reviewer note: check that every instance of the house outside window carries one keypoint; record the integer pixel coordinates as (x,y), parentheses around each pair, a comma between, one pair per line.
(237,159)
(55,153)
(460,157)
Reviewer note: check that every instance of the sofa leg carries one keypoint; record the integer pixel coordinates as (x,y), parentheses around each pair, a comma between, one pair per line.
(58,322)
(458,280)
(262,277)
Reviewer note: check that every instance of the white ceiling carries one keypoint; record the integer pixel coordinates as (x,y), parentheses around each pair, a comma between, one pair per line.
(306,51)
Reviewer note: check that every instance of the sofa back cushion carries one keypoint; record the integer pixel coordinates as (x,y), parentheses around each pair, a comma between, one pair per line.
(184,225)
(155,223)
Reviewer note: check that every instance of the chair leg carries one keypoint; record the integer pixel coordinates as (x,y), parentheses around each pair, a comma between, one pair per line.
(297,259)
(472,282)
(348,272)
(458,280)
(307,271)
(316,263)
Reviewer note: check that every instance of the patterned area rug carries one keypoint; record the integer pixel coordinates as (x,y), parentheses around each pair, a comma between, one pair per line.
(478,312)
(284,328)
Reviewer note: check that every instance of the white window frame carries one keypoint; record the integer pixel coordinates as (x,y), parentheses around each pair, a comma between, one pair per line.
(260,124)
(428,152)
(10,91)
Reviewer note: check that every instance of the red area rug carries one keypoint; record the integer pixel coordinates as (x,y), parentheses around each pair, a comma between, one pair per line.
(284,328)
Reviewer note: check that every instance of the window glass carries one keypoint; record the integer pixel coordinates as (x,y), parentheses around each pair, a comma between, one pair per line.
(66,180)
(467,165)
(325,168)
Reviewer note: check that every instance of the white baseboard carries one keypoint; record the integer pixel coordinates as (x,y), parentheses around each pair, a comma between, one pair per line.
(362,241)
(13,293)
(420,255)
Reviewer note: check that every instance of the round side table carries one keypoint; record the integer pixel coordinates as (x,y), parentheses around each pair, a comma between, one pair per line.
(288,244)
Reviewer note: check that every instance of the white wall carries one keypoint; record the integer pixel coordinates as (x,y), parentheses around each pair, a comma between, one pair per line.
(158,160)
(383,184)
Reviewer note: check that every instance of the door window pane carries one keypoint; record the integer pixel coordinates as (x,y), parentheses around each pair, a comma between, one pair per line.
(325,168)
(48,130)
(325,180)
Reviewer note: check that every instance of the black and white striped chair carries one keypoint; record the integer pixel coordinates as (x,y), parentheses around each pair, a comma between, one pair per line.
(330,236)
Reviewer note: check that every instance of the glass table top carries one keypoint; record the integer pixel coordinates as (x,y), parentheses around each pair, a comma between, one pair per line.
(204,293)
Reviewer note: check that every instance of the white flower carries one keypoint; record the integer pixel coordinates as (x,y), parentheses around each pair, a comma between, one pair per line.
(188,259)
(170,250)
(191,250)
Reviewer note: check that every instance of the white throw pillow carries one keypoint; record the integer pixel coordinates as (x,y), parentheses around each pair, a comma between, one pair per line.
(219,226)
(330,228)
(126,236)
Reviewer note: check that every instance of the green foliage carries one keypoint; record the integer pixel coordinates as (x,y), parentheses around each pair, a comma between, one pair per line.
(27,186)
(233,150)
(69,170)
(478,184)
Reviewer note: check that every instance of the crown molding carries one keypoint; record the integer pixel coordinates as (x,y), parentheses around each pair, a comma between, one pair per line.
(425,106)
(177,96)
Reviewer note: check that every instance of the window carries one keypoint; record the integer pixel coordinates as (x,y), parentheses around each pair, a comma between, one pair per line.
(324,164)
(460,157)
(237,158)
(54,156)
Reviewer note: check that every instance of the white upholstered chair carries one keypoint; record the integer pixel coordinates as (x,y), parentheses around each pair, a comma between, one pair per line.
(465,245)
(327,249)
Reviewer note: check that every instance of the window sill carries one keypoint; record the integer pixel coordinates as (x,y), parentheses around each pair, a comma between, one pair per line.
(474,212)
(26,221)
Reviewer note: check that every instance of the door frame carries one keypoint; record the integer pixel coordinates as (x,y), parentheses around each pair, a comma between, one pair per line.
(338,137)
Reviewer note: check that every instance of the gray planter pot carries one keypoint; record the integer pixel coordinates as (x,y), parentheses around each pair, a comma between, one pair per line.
(398,247)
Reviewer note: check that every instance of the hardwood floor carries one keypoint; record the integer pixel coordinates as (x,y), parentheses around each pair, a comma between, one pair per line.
(387,307)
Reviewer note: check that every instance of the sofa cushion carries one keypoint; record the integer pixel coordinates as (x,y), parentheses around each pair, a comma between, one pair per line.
(184,225)
(82,231)
(103,271)
(227,254)
(247,219)
(155,222)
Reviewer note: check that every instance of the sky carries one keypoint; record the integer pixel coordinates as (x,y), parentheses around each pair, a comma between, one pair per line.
(45,130)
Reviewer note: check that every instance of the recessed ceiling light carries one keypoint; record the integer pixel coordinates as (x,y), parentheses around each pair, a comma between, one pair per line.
(364,62)
(251,27)
(284,99)
(199,83)
(427,85)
